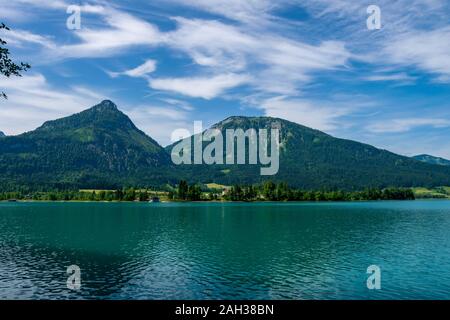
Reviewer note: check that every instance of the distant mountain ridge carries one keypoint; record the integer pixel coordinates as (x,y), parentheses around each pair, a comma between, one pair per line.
(2,134)
(432,159)
(312,159)
(101,148)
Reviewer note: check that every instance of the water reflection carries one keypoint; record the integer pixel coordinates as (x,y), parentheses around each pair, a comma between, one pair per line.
(225,251)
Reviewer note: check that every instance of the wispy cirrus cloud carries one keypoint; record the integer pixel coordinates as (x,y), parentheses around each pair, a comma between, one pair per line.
(121,32)
(22,37)
(200,87)
(279,64)
(321,115)
(144,69)
(413,33)
(390,77)
(118,31)
(234,49)
(427,50)
(401,78)
(250,11)
(213,43)
(159,120)
(178,103)
(407,124)
(50,4)
(23,10)
(32,101)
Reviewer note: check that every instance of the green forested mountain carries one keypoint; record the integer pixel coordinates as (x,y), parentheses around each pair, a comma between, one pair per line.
(311,159)
(101,148)
(432,160)
(97,148)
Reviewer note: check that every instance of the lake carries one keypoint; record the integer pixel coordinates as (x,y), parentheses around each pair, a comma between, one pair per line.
(225,250)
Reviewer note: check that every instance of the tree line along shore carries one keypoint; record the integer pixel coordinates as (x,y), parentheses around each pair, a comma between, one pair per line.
(268,191)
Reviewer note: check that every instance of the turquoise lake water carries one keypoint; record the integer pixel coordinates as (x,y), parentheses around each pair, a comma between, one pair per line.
(225,251)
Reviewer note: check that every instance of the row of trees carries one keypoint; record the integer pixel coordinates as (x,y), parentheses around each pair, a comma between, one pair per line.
(100,195)
(186,192)
(268,191)
(281,192)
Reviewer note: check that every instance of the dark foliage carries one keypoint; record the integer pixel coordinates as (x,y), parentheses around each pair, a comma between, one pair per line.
(311,159)
(270,191)
(101,148)
(7,67)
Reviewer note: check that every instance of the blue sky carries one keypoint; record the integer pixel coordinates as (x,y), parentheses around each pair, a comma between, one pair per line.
(169,63)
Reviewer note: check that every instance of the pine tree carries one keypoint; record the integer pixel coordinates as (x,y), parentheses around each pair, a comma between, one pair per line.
(182,190)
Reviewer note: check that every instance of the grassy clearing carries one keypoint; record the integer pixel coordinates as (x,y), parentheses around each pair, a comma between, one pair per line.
(95,190)
(217,186)
(427,193)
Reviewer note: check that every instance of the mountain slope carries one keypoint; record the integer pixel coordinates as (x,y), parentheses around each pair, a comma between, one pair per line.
(99,147)
(311,159)
(432,160)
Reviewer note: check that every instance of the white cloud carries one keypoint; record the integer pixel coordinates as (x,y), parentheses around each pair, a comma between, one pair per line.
(414,33)
(159,121)
(21,37)
(178,103)
(122,31)
(21,5)
(164,112)
(428,50)
(316,115)
(51,4)
(200,87)
(281,61)
(406,124)
(403,77)
(279,64)
(85,92)
(14,14)
(212,43)
(244,11)
(148,67)
(32,101)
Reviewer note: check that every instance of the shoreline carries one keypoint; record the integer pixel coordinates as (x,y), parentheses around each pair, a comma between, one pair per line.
(226,201)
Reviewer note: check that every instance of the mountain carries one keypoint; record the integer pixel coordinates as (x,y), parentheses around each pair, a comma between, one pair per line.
(97,148)
(101,148)
(311,159)
(2,134)
(432,160)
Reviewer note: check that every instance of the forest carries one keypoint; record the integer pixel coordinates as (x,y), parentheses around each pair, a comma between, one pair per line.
(183,191)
